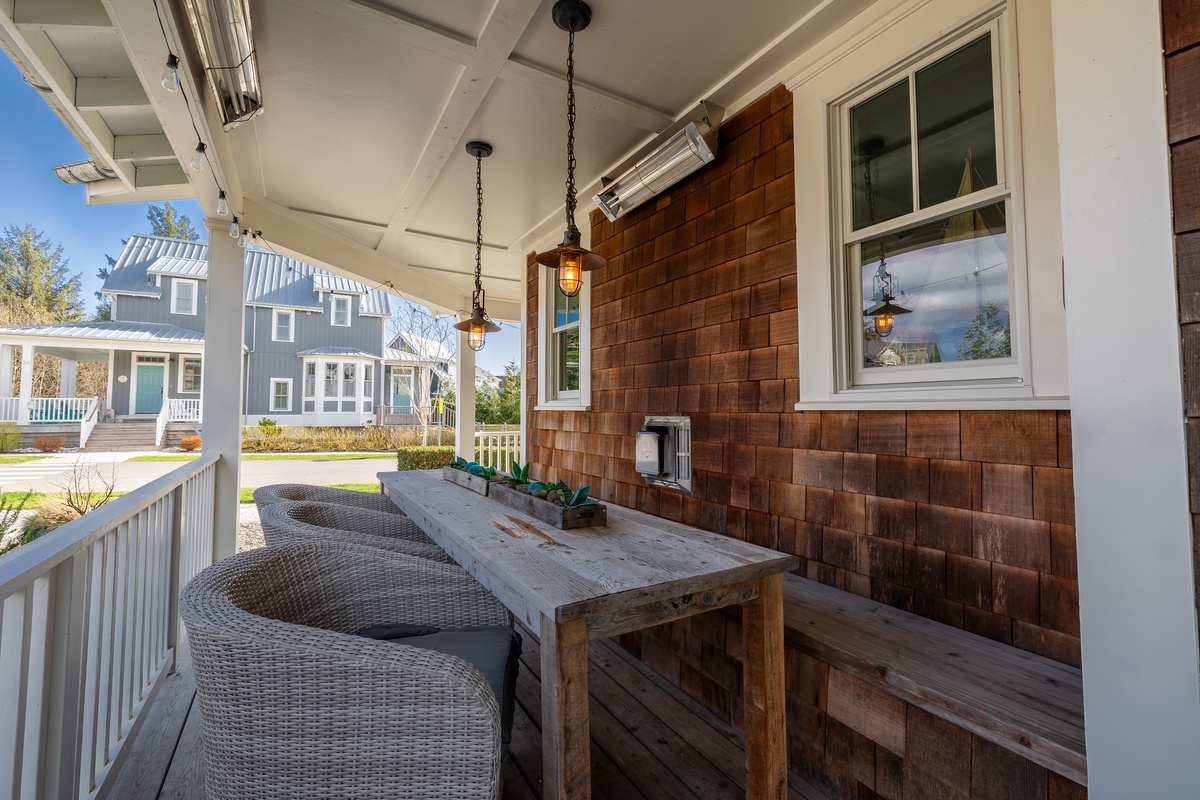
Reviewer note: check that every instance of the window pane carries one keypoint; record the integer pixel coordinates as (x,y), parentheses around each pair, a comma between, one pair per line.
(331,379)
(310,380)
(348,387)
(566,309)
(951,276)
(283,326)
(280,396)
(566,345)
(881,157)
(956,124)
(191,375)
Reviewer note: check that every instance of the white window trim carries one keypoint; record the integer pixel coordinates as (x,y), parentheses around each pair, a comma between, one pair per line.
(316,378)
(175,284)
(291,324)
(271,402)
(333,310)
(133,365)
(547,395)
(189,357)
(895,36)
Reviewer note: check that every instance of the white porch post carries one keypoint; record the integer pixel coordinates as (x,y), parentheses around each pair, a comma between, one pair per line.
(1137,607)
(6,367)
(221,388)
(67,373)
(26,390)
(464,378)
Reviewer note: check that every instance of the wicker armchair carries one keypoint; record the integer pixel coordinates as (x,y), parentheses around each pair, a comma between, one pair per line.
(294,706)
(291,521)
(279,492)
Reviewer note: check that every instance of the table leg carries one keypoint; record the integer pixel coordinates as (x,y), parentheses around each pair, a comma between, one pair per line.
(566,732)
(763,686)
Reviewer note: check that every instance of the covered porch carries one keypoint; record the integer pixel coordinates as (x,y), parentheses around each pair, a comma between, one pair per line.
(1033,511)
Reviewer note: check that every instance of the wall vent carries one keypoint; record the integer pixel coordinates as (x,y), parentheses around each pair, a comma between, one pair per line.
(664,452)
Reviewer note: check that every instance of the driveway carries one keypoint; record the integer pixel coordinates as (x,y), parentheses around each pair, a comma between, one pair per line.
(50,475)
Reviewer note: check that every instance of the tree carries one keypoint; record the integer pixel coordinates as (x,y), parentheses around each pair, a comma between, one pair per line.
(164,221)
(33,270)
(988,335)
(501,406)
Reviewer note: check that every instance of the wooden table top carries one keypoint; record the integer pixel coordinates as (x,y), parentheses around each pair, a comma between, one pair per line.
(536,569)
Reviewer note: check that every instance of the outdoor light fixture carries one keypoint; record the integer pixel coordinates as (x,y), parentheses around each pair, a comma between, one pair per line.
(570,258)
(170,76)
(680,155)
(884,310)
(225,42)
(478,326)
(198,158)
(233,228)
(222,205)
(241,239)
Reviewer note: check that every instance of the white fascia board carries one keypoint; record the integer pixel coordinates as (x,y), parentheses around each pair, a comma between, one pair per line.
(313,309)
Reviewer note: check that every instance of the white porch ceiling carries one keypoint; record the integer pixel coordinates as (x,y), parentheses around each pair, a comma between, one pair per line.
(357,163)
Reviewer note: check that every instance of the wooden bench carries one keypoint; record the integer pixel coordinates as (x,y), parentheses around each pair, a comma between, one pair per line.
(1023,702)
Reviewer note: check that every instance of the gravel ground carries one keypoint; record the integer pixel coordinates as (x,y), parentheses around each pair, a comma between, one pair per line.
(250,533)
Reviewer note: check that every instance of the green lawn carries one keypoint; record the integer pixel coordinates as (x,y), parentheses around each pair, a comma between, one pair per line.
(247,494)
(269,457)
(20,459)
(36,498)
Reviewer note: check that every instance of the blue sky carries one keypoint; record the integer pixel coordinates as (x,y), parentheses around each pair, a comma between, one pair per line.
(33,140)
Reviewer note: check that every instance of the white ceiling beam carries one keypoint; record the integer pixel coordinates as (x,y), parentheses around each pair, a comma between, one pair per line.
(134,148)
(47,14)
(98,196)
(405,31)
(500,35)
(589,98)
(161,175)
(456,241)
(100,93)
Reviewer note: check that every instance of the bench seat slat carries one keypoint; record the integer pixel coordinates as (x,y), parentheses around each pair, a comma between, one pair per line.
(1019,700)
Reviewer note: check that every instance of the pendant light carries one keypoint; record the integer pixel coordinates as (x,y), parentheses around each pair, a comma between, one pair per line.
(884,289)
(478,326)
(570,258)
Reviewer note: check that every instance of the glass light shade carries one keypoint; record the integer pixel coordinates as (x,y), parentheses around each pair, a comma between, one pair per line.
(884,323)
(475,337)
(198,158)
(233,229)
(241,239)
(570,277)
(170,75)
(477,326)
(222,204)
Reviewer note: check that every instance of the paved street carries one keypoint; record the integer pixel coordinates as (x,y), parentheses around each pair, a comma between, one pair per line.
(51,474)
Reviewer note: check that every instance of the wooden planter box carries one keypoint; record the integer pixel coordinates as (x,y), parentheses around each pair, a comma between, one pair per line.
(564,518)
(468,481)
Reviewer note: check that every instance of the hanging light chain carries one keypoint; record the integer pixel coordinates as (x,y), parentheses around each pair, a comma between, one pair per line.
(571,126)
(478,228)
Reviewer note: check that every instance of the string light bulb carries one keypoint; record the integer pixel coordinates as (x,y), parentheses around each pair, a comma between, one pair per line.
(170,75)
(241,239)
(222,204)
(233,228)
(199,159)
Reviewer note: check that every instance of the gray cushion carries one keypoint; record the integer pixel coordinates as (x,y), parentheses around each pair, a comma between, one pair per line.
(494,649)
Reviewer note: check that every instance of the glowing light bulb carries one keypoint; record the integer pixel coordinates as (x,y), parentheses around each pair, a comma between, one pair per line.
(475,336)
(884,323)
(570,274)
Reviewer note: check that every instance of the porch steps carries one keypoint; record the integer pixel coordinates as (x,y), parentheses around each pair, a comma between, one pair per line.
(128,435)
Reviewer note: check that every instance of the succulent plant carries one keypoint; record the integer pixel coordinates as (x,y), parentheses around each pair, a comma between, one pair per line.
(459,463)
(519,473)
(577,498)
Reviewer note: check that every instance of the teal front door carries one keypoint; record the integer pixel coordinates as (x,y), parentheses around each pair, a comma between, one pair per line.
(149,397)
(402,392)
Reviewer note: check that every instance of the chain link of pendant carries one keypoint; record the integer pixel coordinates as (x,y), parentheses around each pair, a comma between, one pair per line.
(476,298)
(571,126)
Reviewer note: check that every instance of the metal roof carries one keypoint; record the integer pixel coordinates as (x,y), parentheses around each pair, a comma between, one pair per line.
(347,352)
(423,349)
(111,331)
(271,279)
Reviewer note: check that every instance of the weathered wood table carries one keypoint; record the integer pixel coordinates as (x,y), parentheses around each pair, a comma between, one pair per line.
(590,583)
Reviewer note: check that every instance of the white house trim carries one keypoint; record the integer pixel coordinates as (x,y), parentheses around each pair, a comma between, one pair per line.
(275,314)
(133,372)
(175,284)
(271,395)
(547,395)
(180,359)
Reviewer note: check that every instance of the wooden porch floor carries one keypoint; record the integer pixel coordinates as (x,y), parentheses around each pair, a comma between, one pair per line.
(649,740)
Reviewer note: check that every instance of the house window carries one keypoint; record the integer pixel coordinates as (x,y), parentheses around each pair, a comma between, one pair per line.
(349,380)
(310,379)
(281,326)
(331,379)
(369,381)
(281,394)
(341,311)
(563,375)
(183,296)
(189,374)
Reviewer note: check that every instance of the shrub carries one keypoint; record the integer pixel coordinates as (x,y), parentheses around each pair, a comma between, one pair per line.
(418,457)
(268,426)
(190,443)
(332,440)
(49,444)
(10,437)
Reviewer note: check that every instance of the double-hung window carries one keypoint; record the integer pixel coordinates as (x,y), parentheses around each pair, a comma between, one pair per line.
(281,325)
(183,296)
(189,374)
(341,311)
(349,380)
(925,211)
(310,379)
(331,379)
(281,394)
(565,345)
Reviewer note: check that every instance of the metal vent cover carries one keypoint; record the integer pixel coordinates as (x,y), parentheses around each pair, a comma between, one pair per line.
(677,452)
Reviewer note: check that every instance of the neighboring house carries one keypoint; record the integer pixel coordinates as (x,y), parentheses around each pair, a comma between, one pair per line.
(417,369)
(314,341)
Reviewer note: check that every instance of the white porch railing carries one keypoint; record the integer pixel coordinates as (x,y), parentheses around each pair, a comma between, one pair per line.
(175,410)
(497,448)
(89,422)
(88,628)
(412,416)
(45,410)
(10,409)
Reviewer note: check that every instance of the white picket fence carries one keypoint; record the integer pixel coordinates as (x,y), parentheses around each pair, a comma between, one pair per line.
(498,448)
(88,628)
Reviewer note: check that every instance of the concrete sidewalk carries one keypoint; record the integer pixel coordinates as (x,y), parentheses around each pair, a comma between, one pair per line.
(49,475)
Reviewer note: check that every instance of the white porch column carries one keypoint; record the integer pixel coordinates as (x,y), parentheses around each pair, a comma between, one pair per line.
(464,378)
(6,367)
(221,389)
(26,390)
(1137,607)
(67,373)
